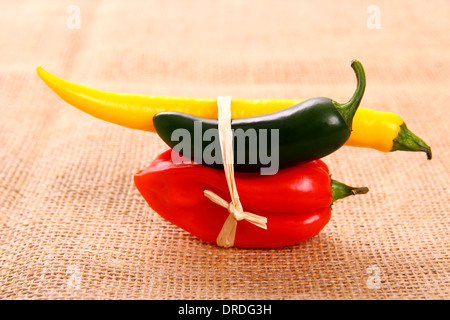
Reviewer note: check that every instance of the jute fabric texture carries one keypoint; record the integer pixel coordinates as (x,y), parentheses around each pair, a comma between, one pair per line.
(73,225)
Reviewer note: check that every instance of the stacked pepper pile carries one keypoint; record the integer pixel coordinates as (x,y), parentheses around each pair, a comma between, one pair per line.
(295,195)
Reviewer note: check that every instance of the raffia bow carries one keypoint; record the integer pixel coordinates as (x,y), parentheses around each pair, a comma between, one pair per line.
(236,213)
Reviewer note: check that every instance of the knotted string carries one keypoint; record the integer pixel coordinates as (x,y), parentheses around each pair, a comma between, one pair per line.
(236,213)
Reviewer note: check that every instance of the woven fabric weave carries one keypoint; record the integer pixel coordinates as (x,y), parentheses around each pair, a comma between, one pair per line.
(73,226)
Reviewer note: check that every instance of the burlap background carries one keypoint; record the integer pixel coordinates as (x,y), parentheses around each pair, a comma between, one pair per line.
(73,226)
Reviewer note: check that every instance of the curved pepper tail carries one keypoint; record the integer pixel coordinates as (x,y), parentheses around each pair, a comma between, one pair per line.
(128,110)
(348,109)
(408,141)
(340,190)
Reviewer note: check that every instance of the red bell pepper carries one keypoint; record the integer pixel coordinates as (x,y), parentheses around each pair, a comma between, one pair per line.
(296,201)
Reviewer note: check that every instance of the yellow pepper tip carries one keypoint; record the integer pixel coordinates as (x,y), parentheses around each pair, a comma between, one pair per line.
(40,72)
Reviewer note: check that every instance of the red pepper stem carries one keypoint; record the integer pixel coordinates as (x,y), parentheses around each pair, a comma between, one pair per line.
(348,109)
(340,190)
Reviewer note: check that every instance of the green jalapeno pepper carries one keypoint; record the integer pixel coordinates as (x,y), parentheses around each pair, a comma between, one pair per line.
(306,131)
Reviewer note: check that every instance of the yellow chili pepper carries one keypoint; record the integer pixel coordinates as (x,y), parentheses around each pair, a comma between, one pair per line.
(376,129)
(383,131)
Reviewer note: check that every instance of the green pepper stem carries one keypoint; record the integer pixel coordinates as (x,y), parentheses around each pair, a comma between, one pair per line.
(408,141)
(348,109)
(340,190)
